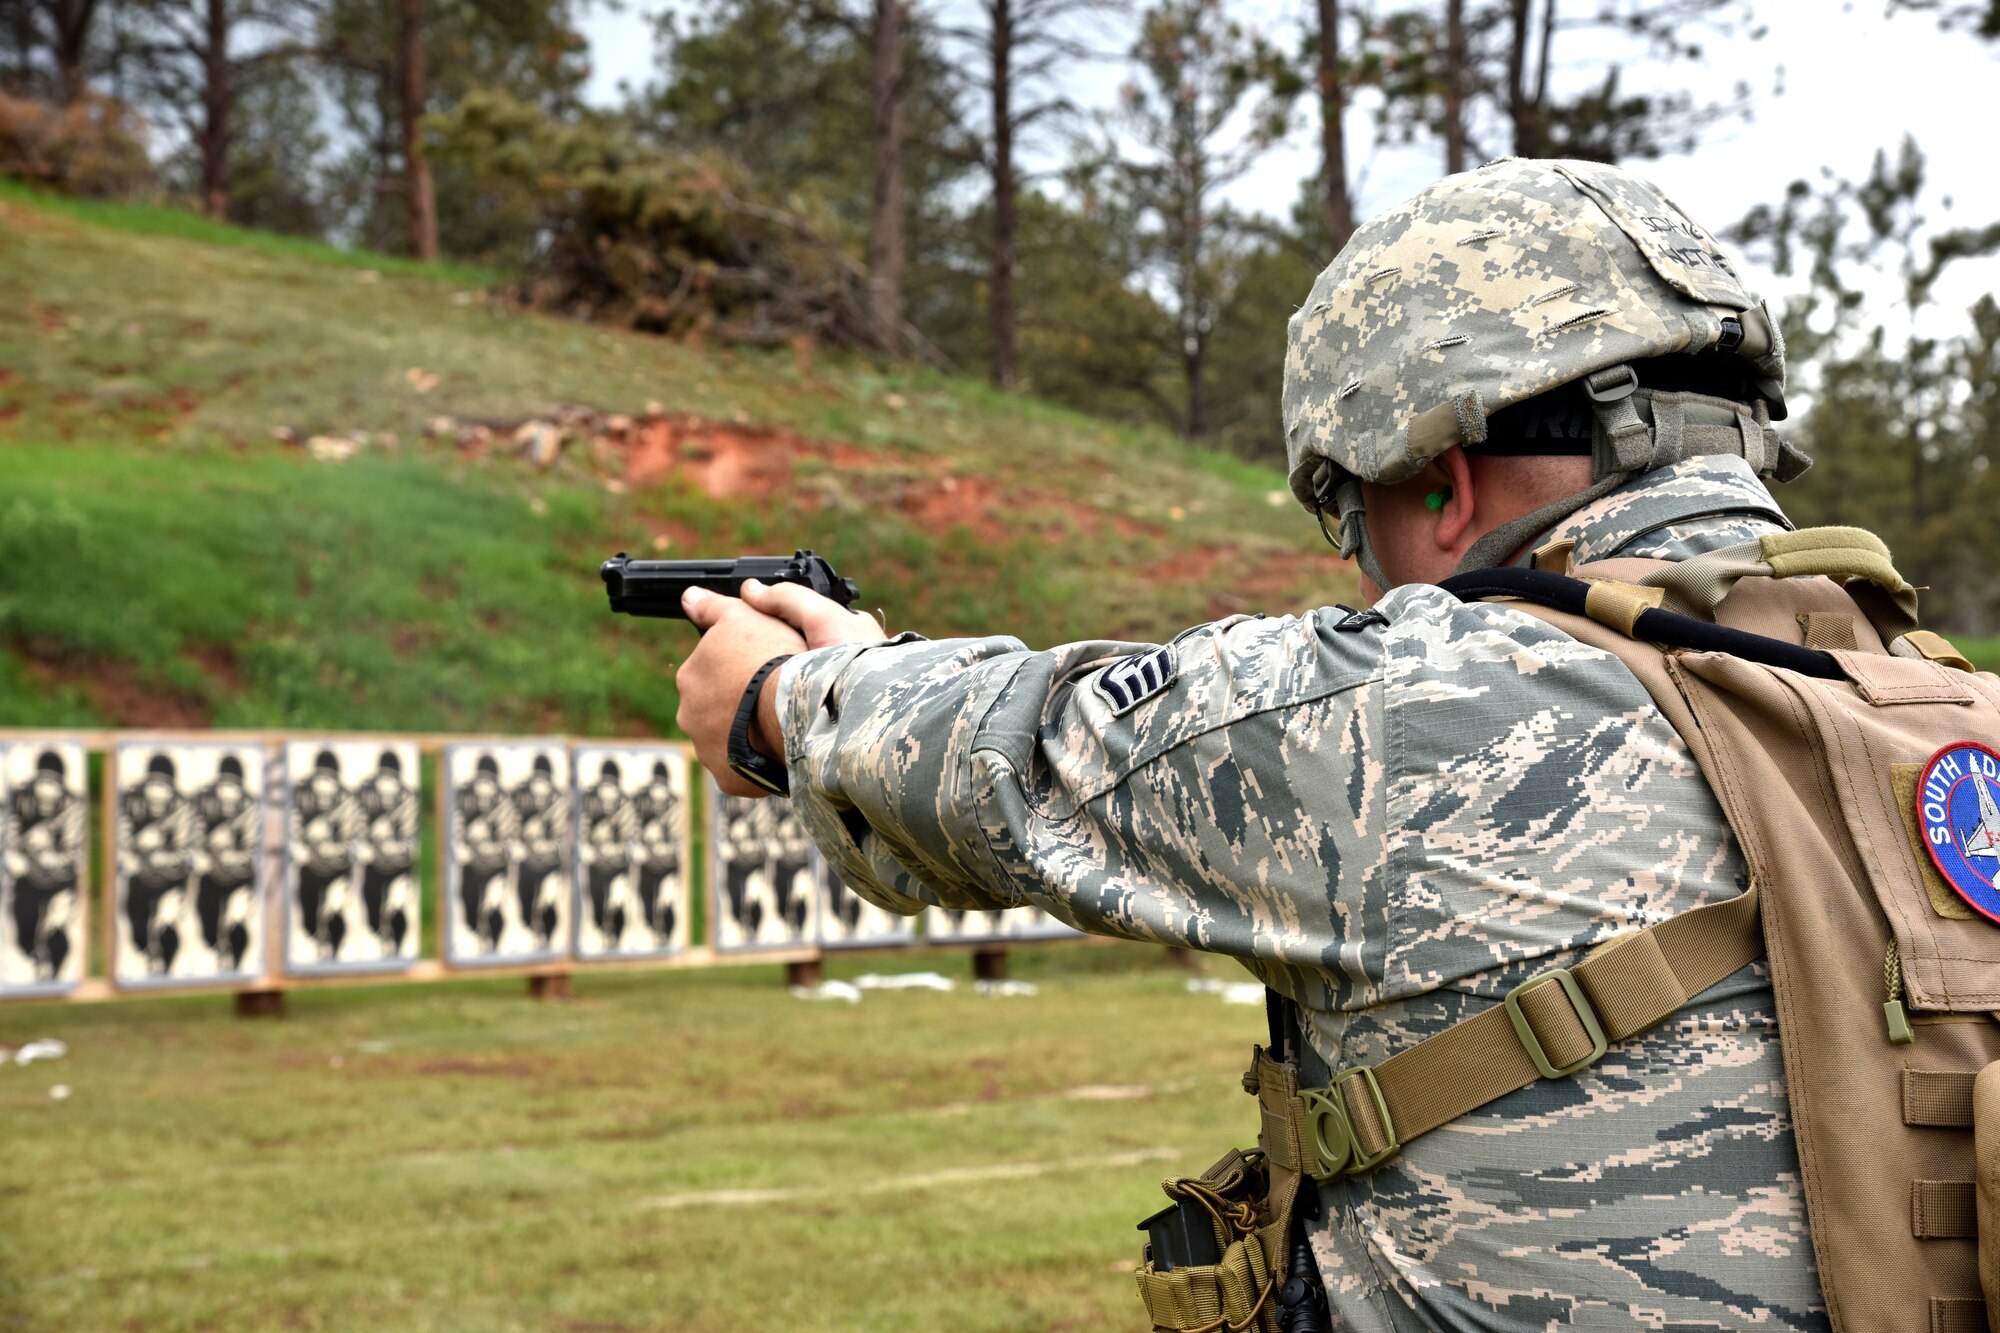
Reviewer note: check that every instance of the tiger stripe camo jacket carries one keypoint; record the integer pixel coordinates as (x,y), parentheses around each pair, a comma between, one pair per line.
(1393,819)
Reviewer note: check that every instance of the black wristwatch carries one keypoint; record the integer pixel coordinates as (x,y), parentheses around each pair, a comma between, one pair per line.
(745,759)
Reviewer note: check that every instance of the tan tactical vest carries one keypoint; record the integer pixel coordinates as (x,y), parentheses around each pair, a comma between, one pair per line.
(1835,759)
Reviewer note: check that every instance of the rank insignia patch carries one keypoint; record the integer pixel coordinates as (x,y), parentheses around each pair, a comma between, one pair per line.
(1127,684)
(1958,814)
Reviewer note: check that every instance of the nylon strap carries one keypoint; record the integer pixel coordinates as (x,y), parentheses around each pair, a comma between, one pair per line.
(1943,1210)
(1937,648)
(1632,983)
(1937,1097)
(1951,1314)
(1853,556)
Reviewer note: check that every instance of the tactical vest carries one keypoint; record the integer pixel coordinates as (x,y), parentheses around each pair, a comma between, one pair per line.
(1850,753)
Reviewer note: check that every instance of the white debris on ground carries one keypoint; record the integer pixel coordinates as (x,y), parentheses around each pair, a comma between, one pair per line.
(905,981)
(1004,989)
(48,1048)
(1232,992)
(59,1093)
(828,990)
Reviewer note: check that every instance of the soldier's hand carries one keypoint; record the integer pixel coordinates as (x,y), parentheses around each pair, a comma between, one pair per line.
(736,639)
(824,622)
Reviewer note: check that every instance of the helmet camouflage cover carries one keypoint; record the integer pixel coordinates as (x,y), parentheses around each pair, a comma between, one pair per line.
(1491,287)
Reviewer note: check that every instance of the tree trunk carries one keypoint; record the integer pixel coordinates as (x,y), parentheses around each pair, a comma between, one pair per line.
(24,48)
(1454,88)
(72,39)
(1000,295)
(215,105)
(885,222)
(1194,361)
(1338,202)
(421,202)
(1518,108)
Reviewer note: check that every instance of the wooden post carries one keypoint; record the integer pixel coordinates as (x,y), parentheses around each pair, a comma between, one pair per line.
(989,962)
(549,986)
(805,972)
(269,1003)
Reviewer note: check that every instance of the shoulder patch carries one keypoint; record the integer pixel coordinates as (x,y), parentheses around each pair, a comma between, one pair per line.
(1127,683)
(1958,815)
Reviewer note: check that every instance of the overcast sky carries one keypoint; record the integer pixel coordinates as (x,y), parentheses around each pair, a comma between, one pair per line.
(1853,81)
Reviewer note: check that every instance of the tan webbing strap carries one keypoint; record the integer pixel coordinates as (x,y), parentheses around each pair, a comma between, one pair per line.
(1957,1315)
(1938,1098)
(1630,983)
(1620,605)
(1829,631)
(1943,1210)
(1852,556)
(1937,648)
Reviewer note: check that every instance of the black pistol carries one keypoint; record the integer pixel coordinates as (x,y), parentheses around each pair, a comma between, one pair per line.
(654,587)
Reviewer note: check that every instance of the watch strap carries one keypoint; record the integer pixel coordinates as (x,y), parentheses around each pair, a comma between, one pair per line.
(745,759)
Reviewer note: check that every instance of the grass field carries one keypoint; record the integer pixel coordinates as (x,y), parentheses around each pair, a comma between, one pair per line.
(675,1152)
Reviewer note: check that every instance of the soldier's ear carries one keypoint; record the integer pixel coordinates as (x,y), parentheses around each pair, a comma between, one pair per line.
(1458,499)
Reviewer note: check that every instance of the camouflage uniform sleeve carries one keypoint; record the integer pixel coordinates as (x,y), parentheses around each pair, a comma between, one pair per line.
(976,774)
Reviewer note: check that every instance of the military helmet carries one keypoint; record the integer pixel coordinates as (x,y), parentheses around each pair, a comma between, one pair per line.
(1495,286)
(230,767)
(51,763)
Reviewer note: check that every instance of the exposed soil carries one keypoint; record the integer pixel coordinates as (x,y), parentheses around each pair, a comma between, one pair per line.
(726,461)
(115,690)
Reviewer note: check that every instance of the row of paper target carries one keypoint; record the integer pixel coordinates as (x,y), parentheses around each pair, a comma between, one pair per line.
(233,861)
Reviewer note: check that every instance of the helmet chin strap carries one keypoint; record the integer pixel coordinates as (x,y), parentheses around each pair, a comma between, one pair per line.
(1352,541)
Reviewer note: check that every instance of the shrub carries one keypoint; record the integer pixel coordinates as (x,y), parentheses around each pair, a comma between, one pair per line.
(653,236)
(91,148)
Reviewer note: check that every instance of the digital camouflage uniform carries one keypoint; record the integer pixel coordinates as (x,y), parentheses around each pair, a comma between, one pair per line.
(1393,820)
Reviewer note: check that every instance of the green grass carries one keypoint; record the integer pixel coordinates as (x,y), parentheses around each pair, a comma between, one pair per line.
(690,1152)
(158,220)
(164,559)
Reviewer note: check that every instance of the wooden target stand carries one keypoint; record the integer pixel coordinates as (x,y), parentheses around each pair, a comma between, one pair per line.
(263,996)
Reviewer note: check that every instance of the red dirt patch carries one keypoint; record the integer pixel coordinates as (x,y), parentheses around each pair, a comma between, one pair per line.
(956,502)
(116,690)
(671,535)
(218,663)
(725,461)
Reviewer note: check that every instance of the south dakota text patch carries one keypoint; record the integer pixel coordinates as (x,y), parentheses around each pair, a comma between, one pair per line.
(1958,814)
(1127,684)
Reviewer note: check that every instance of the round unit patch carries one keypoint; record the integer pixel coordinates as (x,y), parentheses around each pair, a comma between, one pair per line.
(1958,811)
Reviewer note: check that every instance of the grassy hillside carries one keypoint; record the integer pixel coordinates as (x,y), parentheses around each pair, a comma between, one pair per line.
(177,547)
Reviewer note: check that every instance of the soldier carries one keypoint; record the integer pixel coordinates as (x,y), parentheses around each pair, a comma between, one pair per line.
(609,823)
(544,824)
(659,852)
(1392,817)
(231,836)
(486,823)
(157,856)
(327,821)
(45,852)
(388,853)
